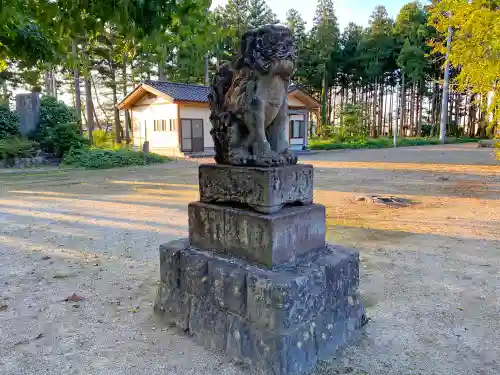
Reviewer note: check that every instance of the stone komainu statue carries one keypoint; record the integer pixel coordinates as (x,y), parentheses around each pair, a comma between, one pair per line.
(248,101)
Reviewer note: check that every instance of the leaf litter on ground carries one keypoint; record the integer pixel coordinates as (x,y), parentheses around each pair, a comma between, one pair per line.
(74,298)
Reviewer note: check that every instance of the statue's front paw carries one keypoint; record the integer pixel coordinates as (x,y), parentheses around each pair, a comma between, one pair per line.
(289,157)
(264,156)
(239,157)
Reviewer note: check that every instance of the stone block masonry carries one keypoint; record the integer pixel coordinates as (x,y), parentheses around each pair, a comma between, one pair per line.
(280,320)
(256,279)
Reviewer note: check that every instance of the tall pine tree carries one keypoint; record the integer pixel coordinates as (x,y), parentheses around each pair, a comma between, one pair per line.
(325,45)
(260,14)
(297,26)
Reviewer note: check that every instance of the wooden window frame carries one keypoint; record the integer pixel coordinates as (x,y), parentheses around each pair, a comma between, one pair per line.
(165,125)
(301,129)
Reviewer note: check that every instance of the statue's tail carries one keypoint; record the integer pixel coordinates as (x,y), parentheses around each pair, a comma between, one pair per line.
(219,114)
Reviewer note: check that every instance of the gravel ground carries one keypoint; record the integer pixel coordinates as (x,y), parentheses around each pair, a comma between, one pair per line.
(430,272)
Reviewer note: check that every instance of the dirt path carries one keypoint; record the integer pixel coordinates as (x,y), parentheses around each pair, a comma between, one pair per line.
(430,272)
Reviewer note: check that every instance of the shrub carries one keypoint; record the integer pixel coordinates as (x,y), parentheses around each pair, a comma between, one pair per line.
(58,128)
(65,137)
(54,112)
(12,147)
(352,122)
(95,158)
(382,142)
(327,131)
(426,130)
(9,122)
(60,138)
(453,130)
(103,139)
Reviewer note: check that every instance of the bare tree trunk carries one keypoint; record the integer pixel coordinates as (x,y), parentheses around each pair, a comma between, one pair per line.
(412,110)
(398,110)
(341,117)
(76,78)
(373,131)
(420,111)
(48,82)
(366,106)
(54,83)
(330,106)
(385,110)
(433,105)
(334,104)
(446,86)
(89,104)
(472,116)
(380,109)
(481,129)
(161,72)
(450,110)
(124,88)
(116,112)
(403,106)
(439,105)
(99,104)
(324,98)
(391,103)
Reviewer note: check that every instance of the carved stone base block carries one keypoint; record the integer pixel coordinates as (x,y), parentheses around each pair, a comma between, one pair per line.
(269,240)
(266,190)
(281,321)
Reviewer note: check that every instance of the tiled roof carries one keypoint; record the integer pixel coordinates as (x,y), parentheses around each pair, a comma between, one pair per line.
(187,92)
(181,91)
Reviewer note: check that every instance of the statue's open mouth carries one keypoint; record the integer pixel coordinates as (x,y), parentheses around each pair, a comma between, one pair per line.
(285,52)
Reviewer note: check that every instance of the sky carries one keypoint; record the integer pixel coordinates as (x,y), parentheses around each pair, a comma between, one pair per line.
(357,11)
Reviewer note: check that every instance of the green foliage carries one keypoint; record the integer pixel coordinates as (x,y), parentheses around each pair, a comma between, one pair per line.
(54,112)
(260,14)
(65,137)
(93,158)
(353,118)
(11,147)
(58,128)
(427,130)
(453,130)
(9,122)
(103,139)
(382,142)
(475,48)
(232,20)
(297,26)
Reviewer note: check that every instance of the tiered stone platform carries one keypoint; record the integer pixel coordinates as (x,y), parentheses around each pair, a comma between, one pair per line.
(255,279)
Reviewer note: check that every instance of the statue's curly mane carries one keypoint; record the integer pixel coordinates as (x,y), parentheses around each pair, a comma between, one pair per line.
(228,93)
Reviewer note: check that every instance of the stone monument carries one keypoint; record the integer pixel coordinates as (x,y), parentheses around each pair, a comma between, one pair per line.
(256,279)
(28,107)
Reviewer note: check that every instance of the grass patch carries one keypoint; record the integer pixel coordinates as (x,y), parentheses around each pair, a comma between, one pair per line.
(382,142)
(95,158)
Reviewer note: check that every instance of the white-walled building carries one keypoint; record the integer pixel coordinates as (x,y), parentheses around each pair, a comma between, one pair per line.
(174,117)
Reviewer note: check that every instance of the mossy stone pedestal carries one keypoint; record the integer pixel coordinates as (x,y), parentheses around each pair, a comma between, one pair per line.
(263,287)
